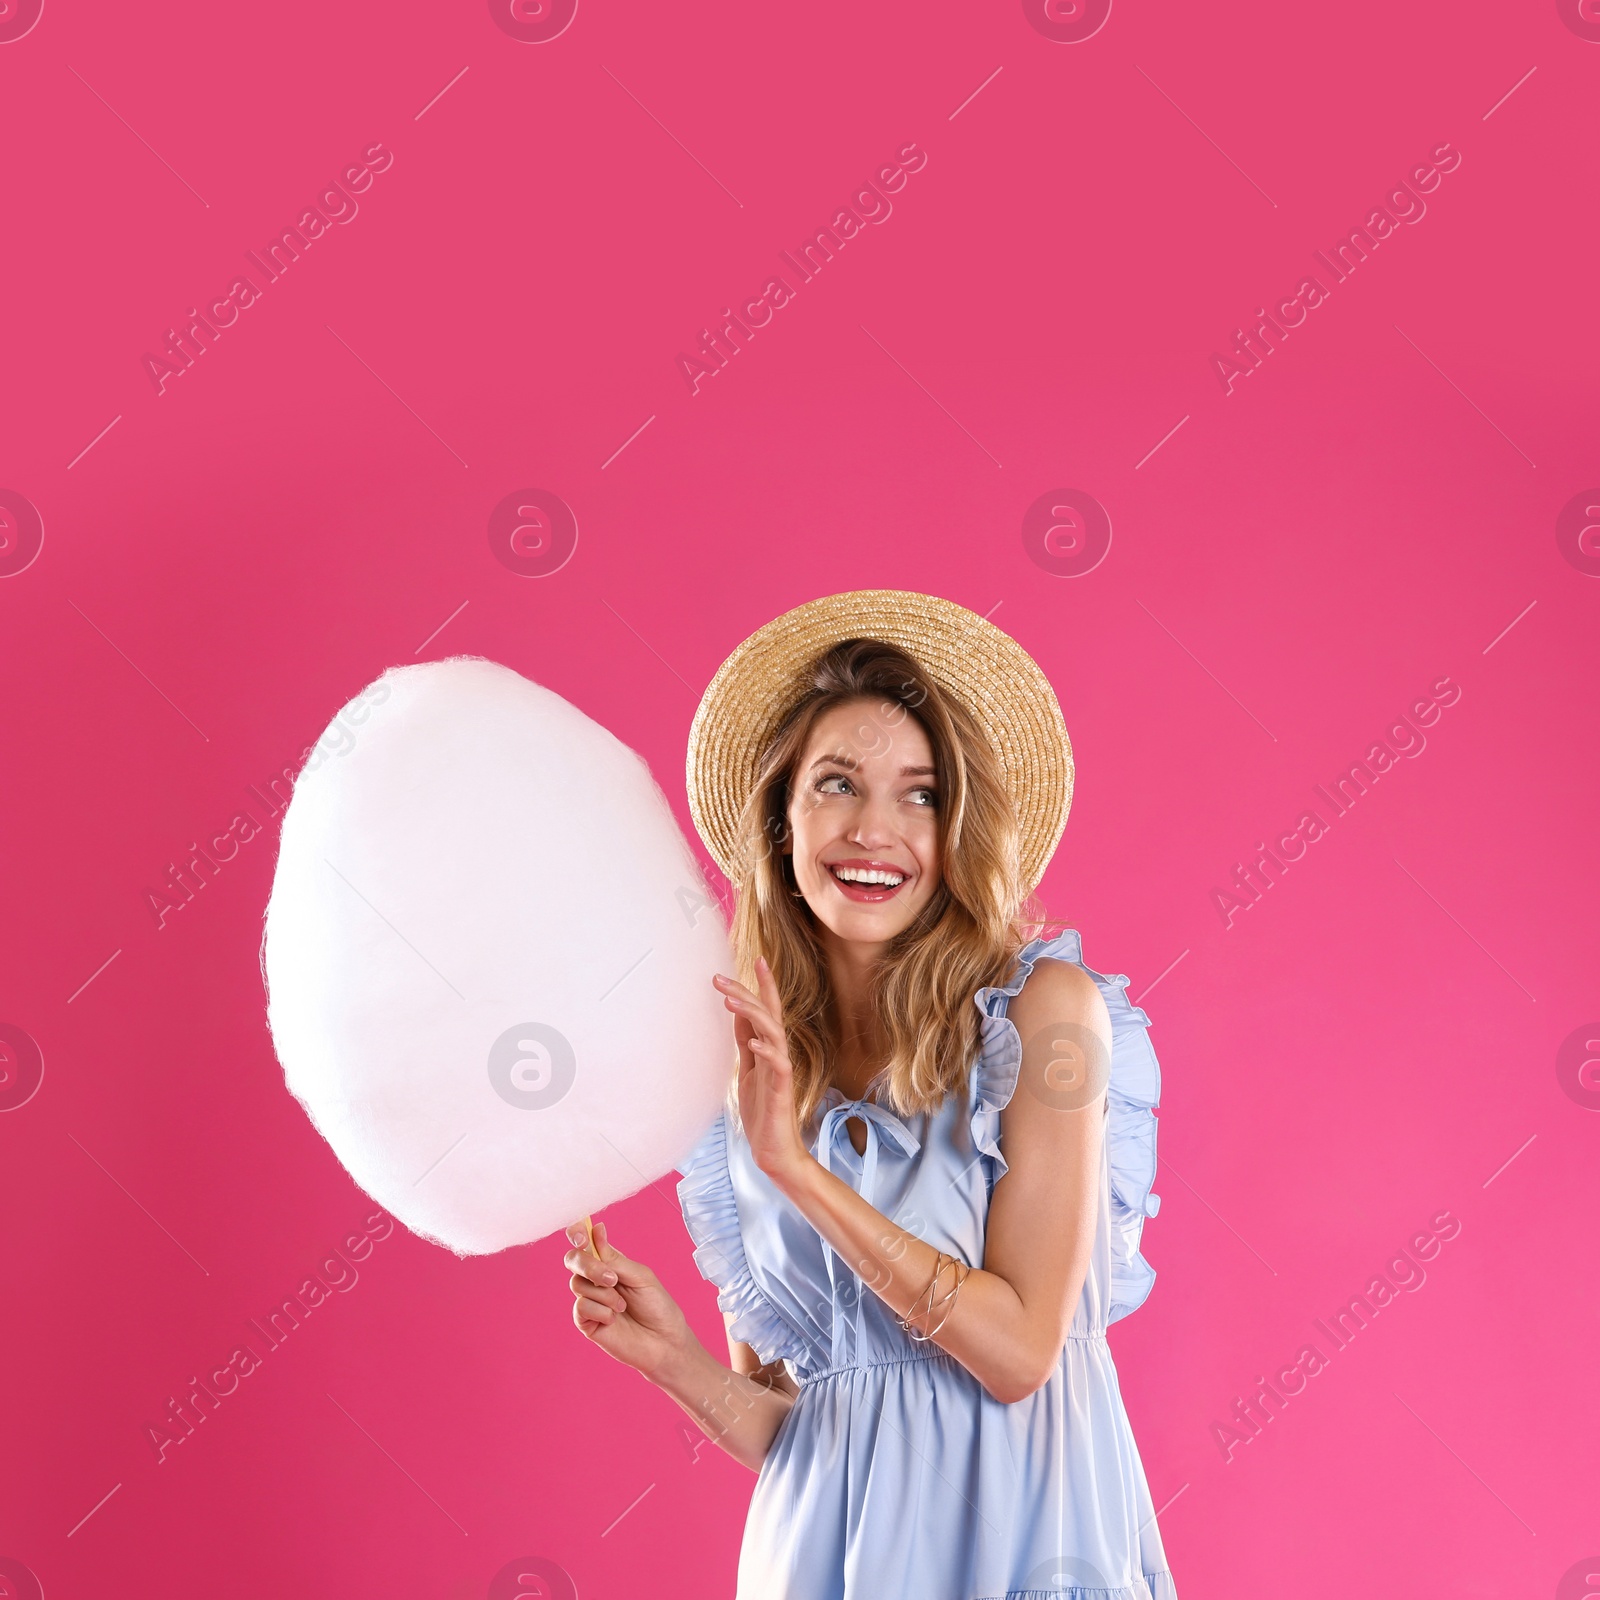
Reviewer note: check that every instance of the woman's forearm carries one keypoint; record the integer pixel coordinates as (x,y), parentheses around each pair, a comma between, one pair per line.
(740,1414)
(1009,1347)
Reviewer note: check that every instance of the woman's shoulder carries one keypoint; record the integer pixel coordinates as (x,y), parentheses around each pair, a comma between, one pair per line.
(1045,974)
(1057,989)
(1050,965)
(1049,983)
(1133,1092)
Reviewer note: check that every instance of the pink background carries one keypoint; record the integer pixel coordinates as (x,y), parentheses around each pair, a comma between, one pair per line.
(1289,571)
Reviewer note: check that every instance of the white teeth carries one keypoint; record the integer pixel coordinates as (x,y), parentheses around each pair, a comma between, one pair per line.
(873,875)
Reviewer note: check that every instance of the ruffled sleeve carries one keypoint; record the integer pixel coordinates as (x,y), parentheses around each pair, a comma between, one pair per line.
(711,1214)
(1133,1093)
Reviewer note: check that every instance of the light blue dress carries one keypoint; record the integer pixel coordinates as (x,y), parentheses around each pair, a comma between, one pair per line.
(895,1475)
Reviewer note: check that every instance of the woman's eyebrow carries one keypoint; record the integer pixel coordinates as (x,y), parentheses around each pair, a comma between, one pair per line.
(841,760)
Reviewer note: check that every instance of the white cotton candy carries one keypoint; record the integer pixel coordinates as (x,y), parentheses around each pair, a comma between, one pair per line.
(488,958)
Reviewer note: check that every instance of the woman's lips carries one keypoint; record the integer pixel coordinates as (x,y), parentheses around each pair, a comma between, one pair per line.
(867,893)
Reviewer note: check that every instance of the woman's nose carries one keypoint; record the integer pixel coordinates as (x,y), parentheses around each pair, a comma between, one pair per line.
(872,826)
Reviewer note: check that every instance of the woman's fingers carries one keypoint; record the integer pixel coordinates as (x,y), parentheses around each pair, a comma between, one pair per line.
(586,1289)
(589,1266)
(768,985)
(762,1013)
(615,1266)
(758,1014)
(606,1266)
(765,994)
(756,1025)
(589,1314)
(736,997)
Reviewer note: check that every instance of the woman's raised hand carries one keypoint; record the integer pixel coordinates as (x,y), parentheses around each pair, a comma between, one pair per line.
(621,1305)
(766,1076)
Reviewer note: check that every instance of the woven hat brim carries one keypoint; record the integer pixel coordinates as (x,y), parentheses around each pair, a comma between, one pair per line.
(971,659)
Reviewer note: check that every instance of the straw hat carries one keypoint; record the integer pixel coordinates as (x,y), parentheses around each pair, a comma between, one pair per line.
(987,670)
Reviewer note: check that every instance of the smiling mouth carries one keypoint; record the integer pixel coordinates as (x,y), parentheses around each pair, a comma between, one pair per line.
(862,882)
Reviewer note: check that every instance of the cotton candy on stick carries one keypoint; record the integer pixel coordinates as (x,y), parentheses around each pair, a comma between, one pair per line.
(488,956)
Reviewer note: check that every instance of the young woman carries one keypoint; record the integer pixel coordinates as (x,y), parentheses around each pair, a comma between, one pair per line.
(923,1203)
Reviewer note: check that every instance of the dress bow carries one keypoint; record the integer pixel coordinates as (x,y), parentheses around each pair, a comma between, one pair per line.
(882,1125)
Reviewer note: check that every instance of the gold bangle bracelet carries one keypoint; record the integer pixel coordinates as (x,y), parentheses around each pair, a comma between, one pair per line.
(946,1301)
(962,1269)
(913,1313)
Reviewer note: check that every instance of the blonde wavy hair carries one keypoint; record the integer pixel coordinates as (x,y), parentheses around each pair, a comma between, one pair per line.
(965,938)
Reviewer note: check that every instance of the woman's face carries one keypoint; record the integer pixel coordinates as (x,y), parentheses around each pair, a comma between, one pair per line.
(863,820)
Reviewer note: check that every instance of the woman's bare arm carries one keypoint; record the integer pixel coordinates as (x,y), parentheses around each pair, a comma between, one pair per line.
(739,1407)
(621,1305)
(1009,1323)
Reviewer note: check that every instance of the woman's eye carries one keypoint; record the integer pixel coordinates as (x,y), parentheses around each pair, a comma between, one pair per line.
(924,797)
(832,778)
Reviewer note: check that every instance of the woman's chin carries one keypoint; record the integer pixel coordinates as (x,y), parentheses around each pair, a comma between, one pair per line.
(865,924)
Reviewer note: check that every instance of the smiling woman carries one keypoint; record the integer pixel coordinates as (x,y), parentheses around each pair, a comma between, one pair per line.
(889,773)
(916,1262)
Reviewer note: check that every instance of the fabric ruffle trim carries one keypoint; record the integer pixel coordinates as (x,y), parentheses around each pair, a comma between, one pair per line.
(711,1214)
(1132,1095)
